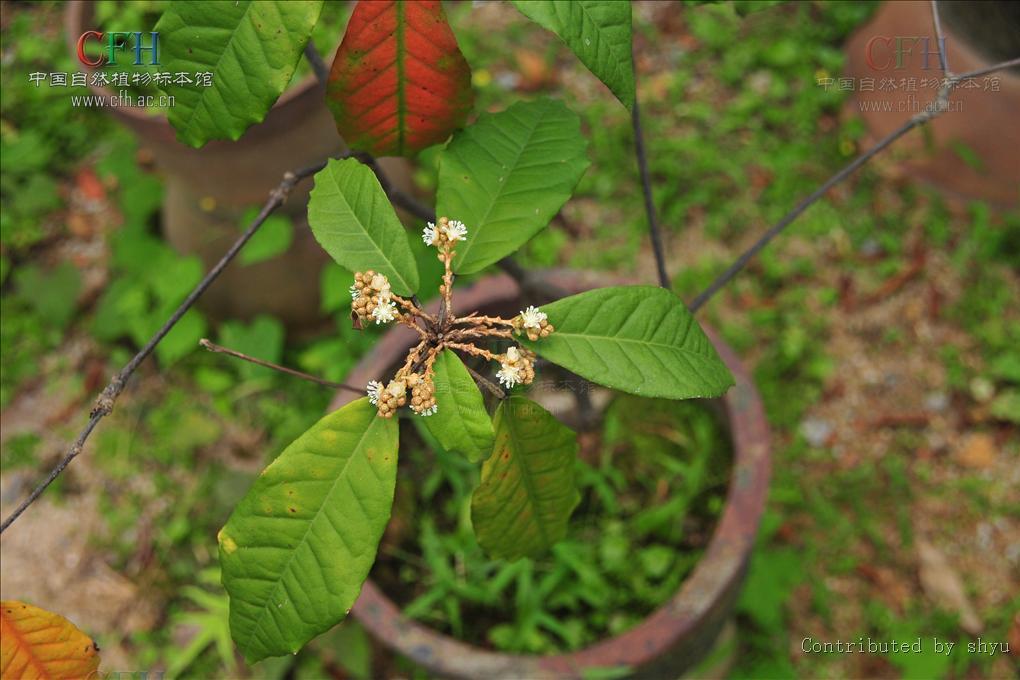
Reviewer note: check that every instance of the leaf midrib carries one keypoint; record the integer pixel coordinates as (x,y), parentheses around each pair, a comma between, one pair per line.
(357,218)
(216,67)
(465,415)
(525,473)
(499,191)
(25,646)
(613,338)
(279,581)
(401,85)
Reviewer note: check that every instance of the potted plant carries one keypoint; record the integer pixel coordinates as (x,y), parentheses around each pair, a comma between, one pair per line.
(667,642)
(297,550)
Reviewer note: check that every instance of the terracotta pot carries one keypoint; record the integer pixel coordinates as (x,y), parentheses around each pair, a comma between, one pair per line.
(677,635)
(982,120)
(208,191)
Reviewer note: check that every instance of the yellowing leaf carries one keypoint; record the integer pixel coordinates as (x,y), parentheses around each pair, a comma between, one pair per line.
(527,491)
(35,643)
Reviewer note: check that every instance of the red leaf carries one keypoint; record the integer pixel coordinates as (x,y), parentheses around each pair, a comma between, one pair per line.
(399,83)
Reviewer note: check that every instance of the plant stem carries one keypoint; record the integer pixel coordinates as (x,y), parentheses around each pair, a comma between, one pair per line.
(471,349)
(943,57)
(646,188)
(318,64)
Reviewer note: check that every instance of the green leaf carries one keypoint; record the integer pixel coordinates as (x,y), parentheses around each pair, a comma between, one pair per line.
(638,339)
(52,294)
(121,305)
(354,222)
(182,339)
(598,32)
(527,492)
(172,277)
(461,423)
(298,546)
(507,175)
(273,238)
(251,49)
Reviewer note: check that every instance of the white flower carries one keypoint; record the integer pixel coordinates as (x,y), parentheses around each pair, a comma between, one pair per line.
(425,412)
(509,375)
(374,390)
(429,235)
(384,312)
(532,318)
(513,355)
(355,293)
(455,231)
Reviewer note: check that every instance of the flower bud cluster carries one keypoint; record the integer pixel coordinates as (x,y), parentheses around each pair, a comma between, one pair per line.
(371,297)
(423,395)
(388,399)
(444,234)
(517,366)
(533,323)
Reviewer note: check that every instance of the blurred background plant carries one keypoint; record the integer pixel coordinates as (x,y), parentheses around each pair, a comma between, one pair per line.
(883,331)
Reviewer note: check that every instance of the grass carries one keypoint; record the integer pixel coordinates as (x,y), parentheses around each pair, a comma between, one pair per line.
(651,486)
(738,133)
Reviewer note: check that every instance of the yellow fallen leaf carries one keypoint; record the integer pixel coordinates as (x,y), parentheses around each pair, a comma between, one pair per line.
(37,644)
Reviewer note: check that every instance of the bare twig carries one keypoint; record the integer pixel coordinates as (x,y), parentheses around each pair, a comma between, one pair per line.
(220,349)
(486,383)
(646,187)
(939,106)
(104,403)
(987,70)
(941,39)
(776,229)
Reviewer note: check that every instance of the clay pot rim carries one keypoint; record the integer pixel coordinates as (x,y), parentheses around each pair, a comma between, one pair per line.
(712,582)
(75,15)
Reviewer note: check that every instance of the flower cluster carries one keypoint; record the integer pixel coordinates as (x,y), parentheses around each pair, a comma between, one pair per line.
(517,366)
(394,395)
(533,323)
(371,297)
(444,234)
(423,394)
(388,399)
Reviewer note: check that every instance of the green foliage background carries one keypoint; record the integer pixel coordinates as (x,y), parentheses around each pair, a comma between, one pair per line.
(740,106)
